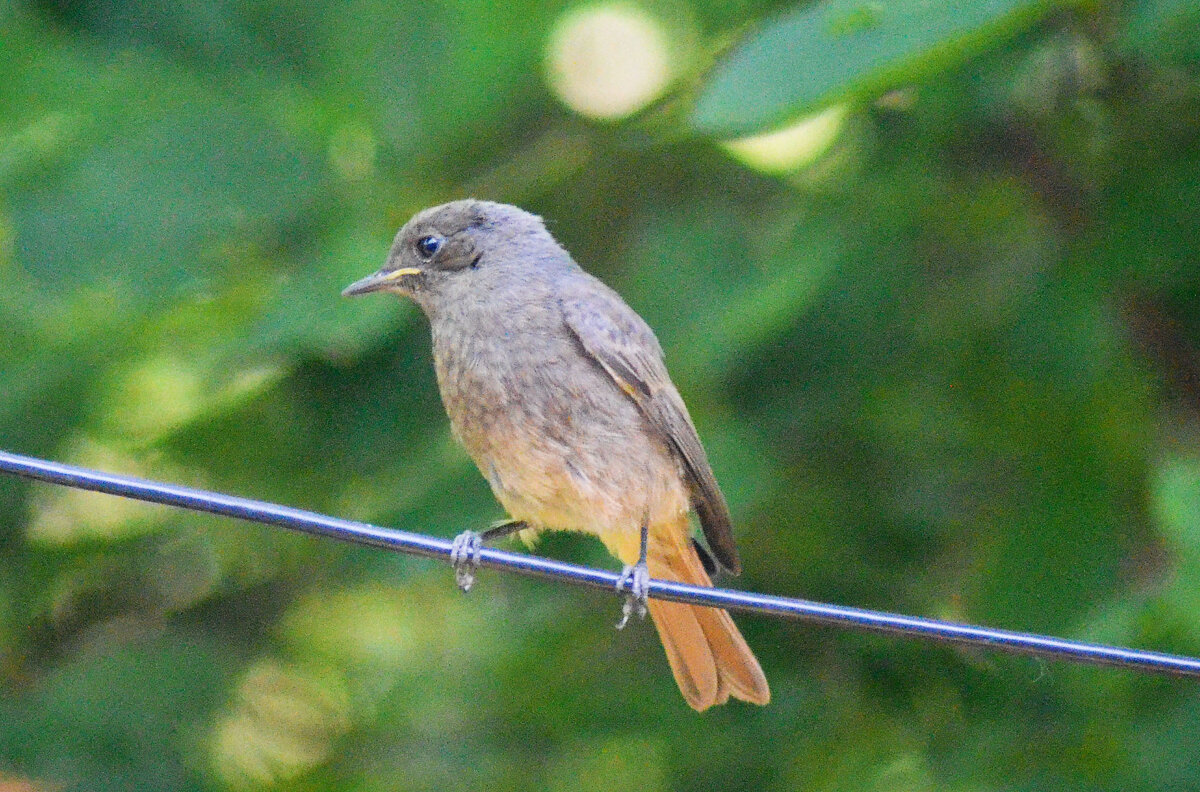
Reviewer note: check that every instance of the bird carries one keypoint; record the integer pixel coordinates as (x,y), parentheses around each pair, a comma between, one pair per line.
(559,392)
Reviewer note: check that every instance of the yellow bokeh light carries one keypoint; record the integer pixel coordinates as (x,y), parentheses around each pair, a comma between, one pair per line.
(284,722)
(792,147)
(607,61)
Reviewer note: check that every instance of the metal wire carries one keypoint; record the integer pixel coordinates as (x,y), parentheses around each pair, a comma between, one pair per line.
(534,566)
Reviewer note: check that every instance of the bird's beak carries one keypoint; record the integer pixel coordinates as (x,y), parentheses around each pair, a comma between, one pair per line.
(377,281)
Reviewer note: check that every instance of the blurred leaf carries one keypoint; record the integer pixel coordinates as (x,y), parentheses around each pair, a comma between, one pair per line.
(117,716)
(623,761)
(426,81)
(735,282)
(284,721)
(1166,30)
(837,50)
(1175,499)
(212,31)
(201,173)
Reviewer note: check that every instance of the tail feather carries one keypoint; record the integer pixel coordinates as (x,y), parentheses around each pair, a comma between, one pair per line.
(688,652)
(739,669)
(707,654)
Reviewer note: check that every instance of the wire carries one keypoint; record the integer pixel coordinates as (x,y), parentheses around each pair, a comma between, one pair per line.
(534,566)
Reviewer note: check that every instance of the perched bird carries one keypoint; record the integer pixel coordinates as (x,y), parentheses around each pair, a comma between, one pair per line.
(558,391)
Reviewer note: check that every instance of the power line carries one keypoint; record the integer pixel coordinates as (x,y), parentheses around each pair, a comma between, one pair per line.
(535,566)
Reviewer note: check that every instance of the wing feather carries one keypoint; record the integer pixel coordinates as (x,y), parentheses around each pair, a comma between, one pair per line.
(625,347)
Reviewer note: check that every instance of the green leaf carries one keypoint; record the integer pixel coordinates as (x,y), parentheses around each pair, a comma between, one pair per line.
(1175,499)
(1167,30)
(830,51)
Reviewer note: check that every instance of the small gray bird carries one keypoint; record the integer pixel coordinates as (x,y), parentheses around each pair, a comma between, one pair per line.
(558,391)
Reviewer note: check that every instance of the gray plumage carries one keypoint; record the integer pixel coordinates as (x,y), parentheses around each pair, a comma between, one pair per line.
(559,392)
(511,312)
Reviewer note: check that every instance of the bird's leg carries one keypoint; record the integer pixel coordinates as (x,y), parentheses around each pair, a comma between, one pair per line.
(637,578)
(464,552)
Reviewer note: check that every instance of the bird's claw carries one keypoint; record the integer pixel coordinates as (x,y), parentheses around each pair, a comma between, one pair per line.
(464,557)
(636,581)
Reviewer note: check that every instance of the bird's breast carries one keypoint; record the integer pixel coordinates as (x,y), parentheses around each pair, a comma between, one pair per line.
(560,444)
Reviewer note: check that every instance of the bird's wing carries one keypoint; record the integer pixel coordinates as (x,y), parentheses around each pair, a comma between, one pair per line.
(613,335)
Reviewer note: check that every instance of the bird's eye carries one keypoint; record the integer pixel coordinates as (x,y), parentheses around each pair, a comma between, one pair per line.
(428,246)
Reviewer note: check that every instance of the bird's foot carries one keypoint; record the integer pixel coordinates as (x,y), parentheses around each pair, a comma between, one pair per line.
(636,581)
(464,557)
(464,552)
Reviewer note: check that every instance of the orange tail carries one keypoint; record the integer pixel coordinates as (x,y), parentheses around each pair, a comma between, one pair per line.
(708,655)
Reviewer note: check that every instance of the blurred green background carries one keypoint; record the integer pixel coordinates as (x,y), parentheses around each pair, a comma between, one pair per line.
(941,338)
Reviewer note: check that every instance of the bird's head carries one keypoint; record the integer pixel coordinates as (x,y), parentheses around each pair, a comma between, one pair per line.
(459,248)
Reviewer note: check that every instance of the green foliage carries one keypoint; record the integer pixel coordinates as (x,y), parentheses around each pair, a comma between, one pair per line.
(831,51)
(949,367)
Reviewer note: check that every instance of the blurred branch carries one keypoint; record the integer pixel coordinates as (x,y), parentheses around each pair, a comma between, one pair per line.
(432,547)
